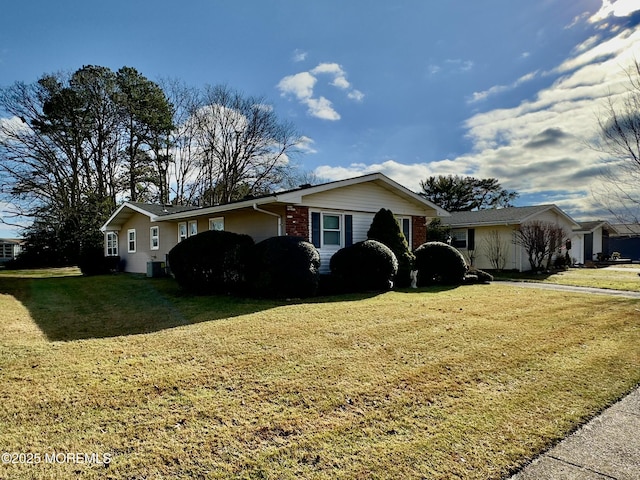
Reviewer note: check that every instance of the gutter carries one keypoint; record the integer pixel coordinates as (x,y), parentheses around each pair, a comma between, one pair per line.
(255,207)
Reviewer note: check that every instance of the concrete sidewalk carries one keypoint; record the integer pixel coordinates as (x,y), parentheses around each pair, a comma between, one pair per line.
(608,447)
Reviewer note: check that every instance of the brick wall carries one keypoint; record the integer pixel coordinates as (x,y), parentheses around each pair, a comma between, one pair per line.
(418,231)
(297,221)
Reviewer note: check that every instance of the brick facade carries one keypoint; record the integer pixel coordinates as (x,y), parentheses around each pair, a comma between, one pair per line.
(418,231)
(297,221)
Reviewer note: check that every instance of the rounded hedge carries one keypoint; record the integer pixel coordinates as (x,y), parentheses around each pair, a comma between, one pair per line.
(475,275)
(364,266)
(284,267)
(211,262)
(438,262)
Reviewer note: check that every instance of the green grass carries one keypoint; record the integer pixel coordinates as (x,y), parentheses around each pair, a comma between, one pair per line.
(467,382)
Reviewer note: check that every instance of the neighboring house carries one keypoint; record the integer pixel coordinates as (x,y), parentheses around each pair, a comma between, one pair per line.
(331,216)
(595,240)
(473,233)
(10,248)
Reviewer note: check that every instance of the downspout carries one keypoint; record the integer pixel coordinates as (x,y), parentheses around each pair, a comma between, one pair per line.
(255,207)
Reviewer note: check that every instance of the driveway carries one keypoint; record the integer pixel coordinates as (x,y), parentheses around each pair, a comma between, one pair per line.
(572,289)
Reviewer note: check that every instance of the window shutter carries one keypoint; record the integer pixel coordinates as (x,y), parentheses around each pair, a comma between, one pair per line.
(471,239)
(348,230)
(315,229)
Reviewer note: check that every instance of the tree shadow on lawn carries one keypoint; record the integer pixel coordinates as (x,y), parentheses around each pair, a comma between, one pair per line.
(77,307)
(73,308)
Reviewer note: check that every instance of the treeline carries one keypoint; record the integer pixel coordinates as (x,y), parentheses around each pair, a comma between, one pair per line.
(73,145)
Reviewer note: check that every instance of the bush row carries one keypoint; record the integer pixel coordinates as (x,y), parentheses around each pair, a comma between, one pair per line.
(219,262)
(216,262)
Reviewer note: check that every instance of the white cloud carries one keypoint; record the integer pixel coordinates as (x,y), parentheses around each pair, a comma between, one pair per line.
(305,144)
(301,87)
(321,108)
(299,55)
(479,96)
(540,147)
(451,65)
(356,95)
(619,8)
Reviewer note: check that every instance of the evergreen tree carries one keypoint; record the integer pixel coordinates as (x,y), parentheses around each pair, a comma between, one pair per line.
(385,229)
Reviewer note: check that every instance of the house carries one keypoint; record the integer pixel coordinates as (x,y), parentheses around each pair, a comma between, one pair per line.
(476,233)
(10,248)
(595,240)
(331,216)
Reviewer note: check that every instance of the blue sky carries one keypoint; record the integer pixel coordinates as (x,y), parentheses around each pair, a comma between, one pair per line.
(500,88)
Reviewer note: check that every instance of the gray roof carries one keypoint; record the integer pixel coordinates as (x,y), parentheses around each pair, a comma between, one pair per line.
(627,229)
(495,216)
(159,210)
(593,224)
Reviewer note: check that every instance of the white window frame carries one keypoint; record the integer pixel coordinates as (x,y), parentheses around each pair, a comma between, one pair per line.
(191,230)
(216,220)
(112,244)
(154,236)
(324,230)
(131,239)
(182,237)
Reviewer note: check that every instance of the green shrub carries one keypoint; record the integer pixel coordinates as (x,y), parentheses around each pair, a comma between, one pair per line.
(475,275)
(211,262)
(385,229)
(364,266)
(92,261)
(284,267)
(439,262)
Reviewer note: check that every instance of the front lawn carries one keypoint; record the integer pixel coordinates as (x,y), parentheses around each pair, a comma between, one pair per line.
(467,382)
(621,277)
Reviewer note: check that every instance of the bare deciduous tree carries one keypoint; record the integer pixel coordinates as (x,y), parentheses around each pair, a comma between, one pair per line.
(540,240)
(242,146)
(496,249)
(619,142)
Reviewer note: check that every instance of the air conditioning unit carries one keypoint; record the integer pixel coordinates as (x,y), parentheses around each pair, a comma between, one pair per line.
(156,269)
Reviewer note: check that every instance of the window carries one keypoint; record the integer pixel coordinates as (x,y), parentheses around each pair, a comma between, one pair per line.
(193,228)
(6,250)
(182,231)
(405,227)
(154,238)
(459,238)
(331,232)
(131,241)
(216,223)
(112,244)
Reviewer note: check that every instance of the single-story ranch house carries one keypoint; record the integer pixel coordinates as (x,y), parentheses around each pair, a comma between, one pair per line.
(331,216)
(473,232)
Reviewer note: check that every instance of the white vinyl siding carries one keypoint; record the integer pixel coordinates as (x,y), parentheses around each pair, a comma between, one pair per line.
(364,198)
(360,226)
